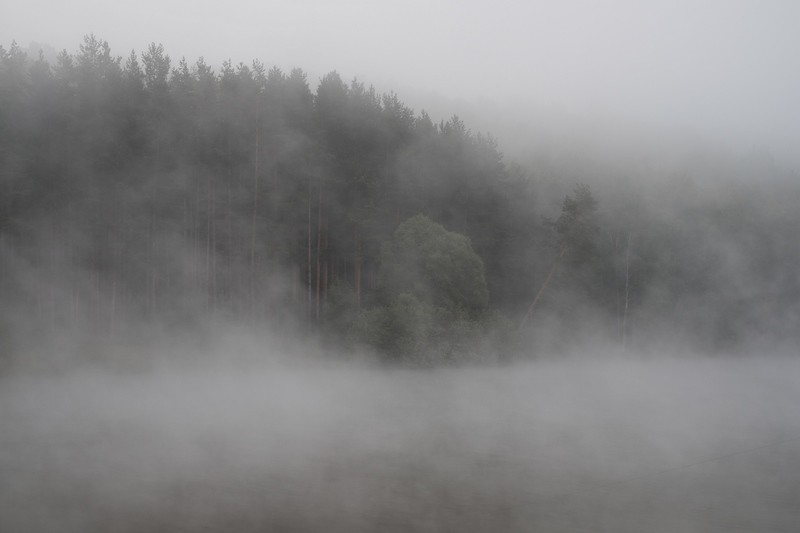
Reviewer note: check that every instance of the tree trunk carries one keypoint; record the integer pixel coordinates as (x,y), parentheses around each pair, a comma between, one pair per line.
(319,243)
(253,225)
(357,268)
(112,313)
(308,262)
(627,292)
(617,292)
(326,263)
(296,286)
(529,312)
(208,248)
(152,288)
(211,249)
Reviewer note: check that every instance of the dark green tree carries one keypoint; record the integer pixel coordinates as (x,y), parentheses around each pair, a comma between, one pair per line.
(576,233)
(436,266)
(433,298)
(577,226)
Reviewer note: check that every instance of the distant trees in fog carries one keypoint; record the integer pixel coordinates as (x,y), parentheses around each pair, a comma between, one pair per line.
(431,296)
(159,190)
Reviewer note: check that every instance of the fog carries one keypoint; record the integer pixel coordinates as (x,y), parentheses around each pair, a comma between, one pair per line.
(212,318)
(592,443)
(717,68)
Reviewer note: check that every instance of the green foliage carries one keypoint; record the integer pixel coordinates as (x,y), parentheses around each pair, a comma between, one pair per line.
(435,265)
(577,226)
(245,193)
(415,332)
(402,329)
(156,68)
(434,297)
(341,310)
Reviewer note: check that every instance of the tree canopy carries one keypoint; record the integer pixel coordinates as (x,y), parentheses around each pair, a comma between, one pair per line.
(435,265)
(148,190)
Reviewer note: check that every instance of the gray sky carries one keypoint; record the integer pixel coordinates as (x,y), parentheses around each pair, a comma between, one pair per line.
(727,68)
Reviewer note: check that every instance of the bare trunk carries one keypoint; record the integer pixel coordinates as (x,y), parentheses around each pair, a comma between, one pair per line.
(618,293)
(229,282)
(211,249)
(152,291)
(325,283)
(529,312)
(627,286)
(296,284)
(253,225)
(52,281)
(113,310)
(208,249)
(319,242)
(357,268)
(326,265)
(197,270)
(308,262)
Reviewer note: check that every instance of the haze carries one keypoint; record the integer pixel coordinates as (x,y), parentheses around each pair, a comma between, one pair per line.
(243,298)
(721,70)
(605,444)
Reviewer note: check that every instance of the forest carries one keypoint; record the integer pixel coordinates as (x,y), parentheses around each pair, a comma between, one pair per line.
(142,191)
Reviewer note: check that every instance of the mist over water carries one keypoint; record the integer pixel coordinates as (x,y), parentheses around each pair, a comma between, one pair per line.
(586,443)
(541,276)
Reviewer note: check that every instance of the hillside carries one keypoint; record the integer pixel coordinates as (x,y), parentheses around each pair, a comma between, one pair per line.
(147,191)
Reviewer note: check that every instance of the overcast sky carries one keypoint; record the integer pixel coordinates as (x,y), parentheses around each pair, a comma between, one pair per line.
(723,67)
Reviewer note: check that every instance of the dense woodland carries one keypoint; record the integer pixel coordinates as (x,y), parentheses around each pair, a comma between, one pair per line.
(141,190)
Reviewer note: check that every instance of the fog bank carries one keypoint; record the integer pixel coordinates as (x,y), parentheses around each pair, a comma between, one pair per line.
(604,444)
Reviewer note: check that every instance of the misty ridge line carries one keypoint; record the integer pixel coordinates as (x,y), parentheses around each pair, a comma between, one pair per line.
(144,197)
